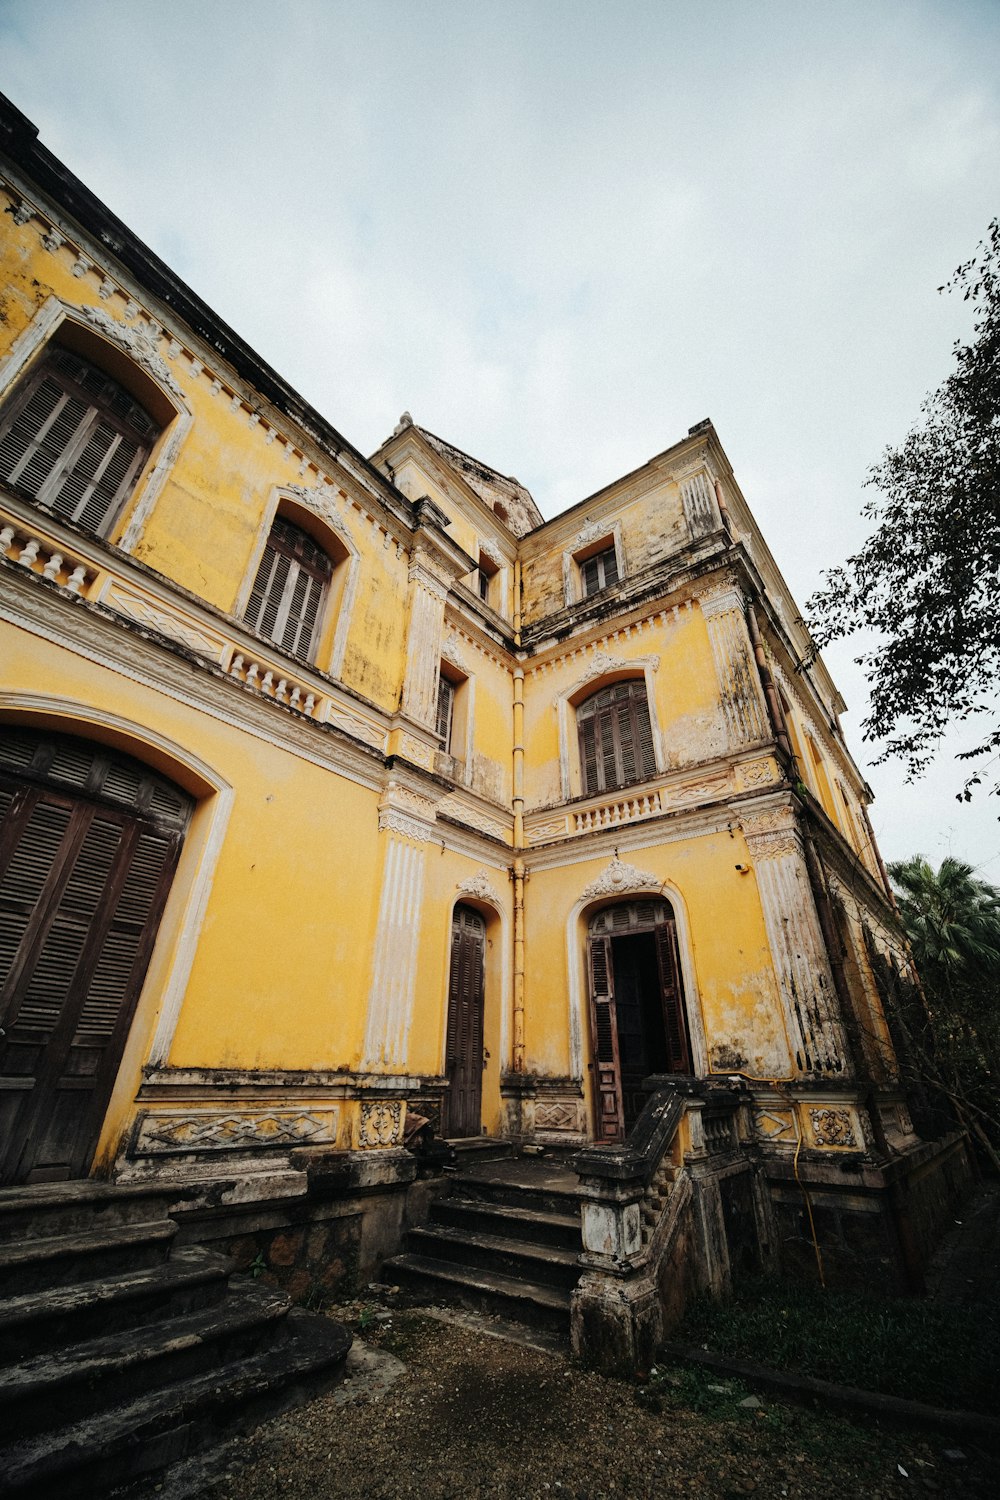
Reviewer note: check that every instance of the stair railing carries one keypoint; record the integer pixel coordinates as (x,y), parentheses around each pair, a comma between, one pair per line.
(636,1200)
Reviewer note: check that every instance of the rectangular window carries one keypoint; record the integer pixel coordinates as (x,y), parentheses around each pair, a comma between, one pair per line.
(445,712)
(599,572)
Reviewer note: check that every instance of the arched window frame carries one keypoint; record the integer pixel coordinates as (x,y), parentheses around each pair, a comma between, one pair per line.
(329,531)
(642,668)
(615,721)
(111,346)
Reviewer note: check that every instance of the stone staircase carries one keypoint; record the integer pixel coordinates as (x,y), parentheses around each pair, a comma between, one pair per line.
(505,1240)
(120,1354)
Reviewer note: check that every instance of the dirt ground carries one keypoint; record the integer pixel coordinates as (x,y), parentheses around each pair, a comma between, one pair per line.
(471,1416)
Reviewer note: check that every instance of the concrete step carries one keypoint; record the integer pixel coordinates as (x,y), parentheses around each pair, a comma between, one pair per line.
(484,1291)
(92,1456)
(521,1185)
(68,1385)
(562,1231)
(62,1315)
(58,1208)
(521,1260)
(37,1264)
(469,1149)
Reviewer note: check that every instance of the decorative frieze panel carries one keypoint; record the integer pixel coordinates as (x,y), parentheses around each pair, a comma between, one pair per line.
(560,1116)
(775,1125)
(164,621)
(752,774)
(232,1130)
(833,1127)
(141,342)
(381,1124)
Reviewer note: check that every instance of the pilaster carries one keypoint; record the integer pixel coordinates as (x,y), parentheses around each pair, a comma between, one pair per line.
(723,609)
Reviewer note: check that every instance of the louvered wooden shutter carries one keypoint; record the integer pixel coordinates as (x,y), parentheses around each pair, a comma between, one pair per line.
(675,1028)
(289,588)
(82,888)
(607,1081)
(445,711)
(75,441)
(616,738)
(464,1037)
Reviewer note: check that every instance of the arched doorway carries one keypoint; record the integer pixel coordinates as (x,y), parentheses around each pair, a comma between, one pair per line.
(638,1017)
(89,840)
(464,1045)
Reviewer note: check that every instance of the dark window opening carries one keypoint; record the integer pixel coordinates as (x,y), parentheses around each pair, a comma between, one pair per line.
(74,441)
(445,712)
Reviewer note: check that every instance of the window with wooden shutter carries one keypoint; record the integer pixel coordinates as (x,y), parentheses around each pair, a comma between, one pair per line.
(616,737)
(88,844)
(445,712)
(74,441)
(599,572)
(288,592)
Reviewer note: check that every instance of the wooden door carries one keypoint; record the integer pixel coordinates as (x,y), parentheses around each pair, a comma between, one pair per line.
(88,844)
(610,1123)
(674,1019)
(464,1047)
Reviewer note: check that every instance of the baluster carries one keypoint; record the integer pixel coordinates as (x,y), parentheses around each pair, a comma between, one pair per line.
(281,690)
(267,681)
(253,673)
(29,553)
(310,703)
(236,666)
(6,537)
(293,701)
(53,565)
(76,579)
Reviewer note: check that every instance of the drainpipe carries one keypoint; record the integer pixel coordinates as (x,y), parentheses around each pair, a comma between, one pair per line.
(723,509)
(774,709)
(517,871)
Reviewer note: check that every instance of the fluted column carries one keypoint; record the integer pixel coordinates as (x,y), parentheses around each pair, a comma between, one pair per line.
(740,695)
(801,965)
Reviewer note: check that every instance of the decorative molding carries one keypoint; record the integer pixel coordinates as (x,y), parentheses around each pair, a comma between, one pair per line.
(590,533)
(490,549)
(774,1124)
(601,664)
(231,1130)
(322,499)
(481,822)
(360,729)
(832,1127)
(141,343)
(560,1115)
(391,820)
(754,773)
(416,751)
(619,878)
(381,1124)
(452,651)
(553,828)
(771,834)
(480,886)
(165,621)
(21,212)
(720,599)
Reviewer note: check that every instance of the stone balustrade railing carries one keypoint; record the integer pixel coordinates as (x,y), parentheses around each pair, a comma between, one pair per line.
(275,683)
(637,1200)
(622,810)
(20,545)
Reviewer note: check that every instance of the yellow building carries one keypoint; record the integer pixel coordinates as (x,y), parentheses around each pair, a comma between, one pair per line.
(334,787)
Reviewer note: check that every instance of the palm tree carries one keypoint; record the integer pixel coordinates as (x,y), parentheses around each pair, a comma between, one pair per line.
(952,920)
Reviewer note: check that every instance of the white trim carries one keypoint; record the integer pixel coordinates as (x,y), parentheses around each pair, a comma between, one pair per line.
(584,541)
(29,347)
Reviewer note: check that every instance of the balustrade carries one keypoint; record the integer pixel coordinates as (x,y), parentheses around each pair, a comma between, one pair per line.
(42,558)
(273,683)
(623,810)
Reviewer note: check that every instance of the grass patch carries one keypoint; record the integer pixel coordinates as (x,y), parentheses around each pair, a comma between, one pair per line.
(946,1355)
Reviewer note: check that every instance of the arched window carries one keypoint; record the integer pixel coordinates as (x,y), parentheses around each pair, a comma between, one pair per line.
(74,441)
(288,592)
(616,737)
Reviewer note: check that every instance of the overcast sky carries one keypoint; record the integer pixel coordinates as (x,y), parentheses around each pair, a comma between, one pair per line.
(561,232)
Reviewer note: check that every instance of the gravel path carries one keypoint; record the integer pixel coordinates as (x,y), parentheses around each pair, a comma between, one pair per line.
(472,1416)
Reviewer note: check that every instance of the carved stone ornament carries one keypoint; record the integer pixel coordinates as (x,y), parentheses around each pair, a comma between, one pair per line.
(721,599)
(832,1127)
(381,1124)
(774,1125)
(232,1130)
(754,773)
(492,551)
(452,651)
(559,1115)
(322,499)
(391,820)
(601,664)
(590,533)
(619,878)
(479,885)
(20,212)
(141,343)
(404,422)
